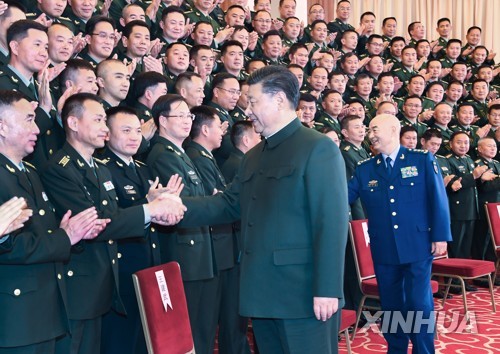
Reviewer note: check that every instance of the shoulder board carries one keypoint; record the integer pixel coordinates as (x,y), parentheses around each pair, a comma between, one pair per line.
(467,155)
(102,162)
(169,148)
(347,148)
(397,69)
(64,161)
(188,12)
(204,154)
(478,161)
(366,160)
(139,163)
(453,127)
(64,18)
(29,165)
(30,14)
(440,156)
(418,151)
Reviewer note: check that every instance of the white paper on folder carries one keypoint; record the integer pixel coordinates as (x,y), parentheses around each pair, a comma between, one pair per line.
(365,233)
(162,286)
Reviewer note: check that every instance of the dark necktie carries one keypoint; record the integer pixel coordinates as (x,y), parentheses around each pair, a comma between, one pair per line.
(32,88)
(388,165)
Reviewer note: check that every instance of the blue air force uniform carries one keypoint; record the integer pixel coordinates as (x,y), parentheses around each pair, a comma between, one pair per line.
(406,214)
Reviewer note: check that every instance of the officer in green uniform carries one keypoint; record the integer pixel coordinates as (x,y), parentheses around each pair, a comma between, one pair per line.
(12,77)
(340,25)
(206,135)
(131,179)
(200,12)
(478,98)
(191,247)
(75,181)
(465,117)
(226,92)
(33,298)
(442,117)
(332,106)
(488,188)
(462,195)
(412,107)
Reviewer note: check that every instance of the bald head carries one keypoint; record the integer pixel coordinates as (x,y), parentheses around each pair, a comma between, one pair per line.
(384,133)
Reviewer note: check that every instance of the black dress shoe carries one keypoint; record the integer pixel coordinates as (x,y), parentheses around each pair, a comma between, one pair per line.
(455,290)
(481,283)
(470,288)
(440,295)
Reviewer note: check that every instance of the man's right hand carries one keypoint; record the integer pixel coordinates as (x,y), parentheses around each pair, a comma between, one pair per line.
(83,226)
(167,209)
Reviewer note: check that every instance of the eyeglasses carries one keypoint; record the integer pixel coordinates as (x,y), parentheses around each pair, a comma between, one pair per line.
(261,20)
(232,92)
(103,35)
(189,116)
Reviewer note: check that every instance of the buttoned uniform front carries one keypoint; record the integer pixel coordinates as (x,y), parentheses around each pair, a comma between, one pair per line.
(294,229)
(222,153)
(192,247)
(406,214)
(123,334)
(92,271)
(51,136)
(32,294)
(232,336)
(352,156)
(463,205)
(488,192)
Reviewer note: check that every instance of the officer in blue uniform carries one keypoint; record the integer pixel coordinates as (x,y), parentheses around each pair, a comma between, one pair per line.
(408,223)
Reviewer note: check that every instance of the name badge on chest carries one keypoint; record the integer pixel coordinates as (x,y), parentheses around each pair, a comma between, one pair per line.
(410,171)
(129,189)
(193,177)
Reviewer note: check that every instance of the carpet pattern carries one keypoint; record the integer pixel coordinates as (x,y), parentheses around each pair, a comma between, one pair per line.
(481,335)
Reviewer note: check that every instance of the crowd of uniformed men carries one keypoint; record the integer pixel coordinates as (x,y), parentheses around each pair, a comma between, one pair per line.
(108,71)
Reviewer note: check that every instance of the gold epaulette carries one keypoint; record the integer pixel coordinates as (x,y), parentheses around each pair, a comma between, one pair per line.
(64,161)
(103,161)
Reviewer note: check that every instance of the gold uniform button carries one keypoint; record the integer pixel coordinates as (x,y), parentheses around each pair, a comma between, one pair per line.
(191,242)
(119,255)
(49,231)
(51,151)
(411,184)
(41,212)
(396,227)
(458,202)
(394,213)
(153,229)
(392,200)
(391,187)
(70,273)
(104,202)
(153,245)
(133,198)
(17,292)
(113,261)
(111,242)
(59,276)
(49,132)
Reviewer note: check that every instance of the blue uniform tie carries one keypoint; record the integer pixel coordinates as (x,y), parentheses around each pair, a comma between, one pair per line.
(388,165)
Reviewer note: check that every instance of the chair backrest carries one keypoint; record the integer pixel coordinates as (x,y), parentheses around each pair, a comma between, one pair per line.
(360,241)
(493,214)
(163,308)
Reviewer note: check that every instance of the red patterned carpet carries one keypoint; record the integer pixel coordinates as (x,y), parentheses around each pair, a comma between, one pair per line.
(480,336)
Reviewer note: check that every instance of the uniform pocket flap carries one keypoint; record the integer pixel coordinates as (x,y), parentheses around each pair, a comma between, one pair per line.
(18,286)
(293,256)
(280,172)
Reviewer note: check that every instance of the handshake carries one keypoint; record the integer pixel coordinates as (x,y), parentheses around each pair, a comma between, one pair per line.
(164,204)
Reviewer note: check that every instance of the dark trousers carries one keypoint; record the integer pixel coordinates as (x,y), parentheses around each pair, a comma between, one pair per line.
(47,347)
(404,288)
(85,338)
(297,336)
(463,233)
(482,247)
(214,302)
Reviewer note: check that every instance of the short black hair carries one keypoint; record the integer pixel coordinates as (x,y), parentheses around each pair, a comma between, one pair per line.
(470,29)
(220,78)
(9,97)
(19,30)
(315,22)
(406,129)
(453,40)
(230,43)
(458,132)
(74,105)
(112,112)
(384,21)
(144,81)
(129,27)
(431,133)
(238,131)
(203,115)
(171,9)
(274,79)
(183,78)
(163,106)
(72,67)
(269,34)
(94,20)
(443,19)
(344,124)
